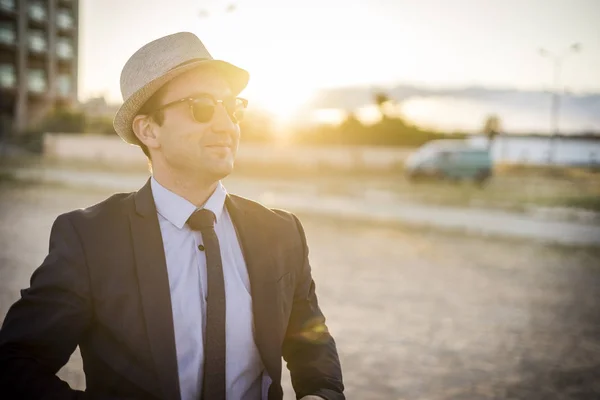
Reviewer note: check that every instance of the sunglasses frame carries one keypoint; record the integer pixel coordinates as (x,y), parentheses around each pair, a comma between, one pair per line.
(192,100)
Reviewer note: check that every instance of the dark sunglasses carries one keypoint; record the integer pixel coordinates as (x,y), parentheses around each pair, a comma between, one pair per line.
(203,107)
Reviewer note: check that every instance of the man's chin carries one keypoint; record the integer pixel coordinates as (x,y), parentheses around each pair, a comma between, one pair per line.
(221,171)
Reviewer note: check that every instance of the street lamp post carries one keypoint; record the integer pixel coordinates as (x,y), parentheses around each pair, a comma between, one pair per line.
(557,61)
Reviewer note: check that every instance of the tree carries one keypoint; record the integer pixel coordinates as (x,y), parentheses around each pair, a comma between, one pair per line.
(492,127)
(351,130)
(381,99)
(99,125)
(63,120)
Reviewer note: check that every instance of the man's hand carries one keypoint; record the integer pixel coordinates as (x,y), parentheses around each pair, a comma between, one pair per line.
(312,397)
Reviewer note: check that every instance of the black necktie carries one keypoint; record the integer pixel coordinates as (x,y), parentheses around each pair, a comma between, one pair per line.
(213,386)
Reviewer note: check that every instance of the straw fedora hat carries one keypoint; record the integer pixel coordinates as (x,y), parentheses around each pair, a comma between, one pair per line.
(158,62)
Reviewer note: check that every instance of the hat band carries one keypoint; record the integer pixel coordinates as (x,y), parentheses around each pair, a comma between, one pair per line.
(193,60)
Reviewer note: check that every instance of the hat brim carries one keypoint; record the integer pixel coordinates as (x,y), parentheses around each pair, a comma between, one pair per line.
(237,78)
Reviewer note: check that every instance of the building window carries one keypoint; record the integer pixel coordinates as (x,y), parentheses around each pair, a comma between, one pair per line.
(8,77)
(7,33)
(37,41)
(64,19)
(36,80)
(63,84)
(7,5)
(64,48)
(37,12)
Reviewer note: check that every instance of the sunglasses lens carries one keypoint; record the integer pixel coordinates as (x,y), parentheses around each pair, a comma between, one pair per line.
(203,112)
(204,109)
(235,107)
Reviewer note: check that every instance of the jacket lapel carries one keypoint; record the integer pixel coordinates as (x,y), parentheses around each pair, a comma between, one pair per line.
(259,261)
(154,290)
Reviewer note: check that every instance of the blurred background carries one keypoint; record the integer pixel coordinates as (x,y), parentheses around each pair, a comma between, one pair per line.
(444,156)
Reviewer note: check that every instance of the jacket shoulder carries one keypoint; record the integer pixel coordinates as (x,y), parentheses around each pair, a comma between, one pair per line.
(270,215)
(280,223)
(114,207)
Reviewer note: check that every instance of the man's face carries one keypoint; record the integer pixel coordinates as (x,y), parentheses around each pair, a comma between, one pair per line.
(206,148)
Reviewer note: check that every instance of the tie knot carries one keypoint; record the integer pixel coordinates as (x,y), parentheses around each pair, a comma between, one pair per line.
(201,220)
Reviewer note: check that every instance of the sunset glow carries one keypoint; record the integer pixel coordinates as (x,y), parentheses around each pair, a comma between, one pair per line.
(293,50)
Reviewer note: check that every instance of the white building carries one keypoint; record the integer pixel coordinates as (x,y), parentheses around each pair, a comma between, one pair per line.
(544,150)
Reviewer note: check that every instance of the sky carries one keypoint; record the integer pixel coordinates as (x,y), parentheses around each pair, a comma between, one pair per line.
(292,49)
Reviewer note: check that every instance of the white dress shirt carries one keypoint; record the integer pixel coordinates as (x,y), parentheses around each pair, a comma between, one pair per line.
(186,266)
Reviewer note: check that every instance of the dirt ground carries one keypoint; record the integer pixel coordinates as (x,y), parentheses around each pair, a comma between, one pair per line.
(416,314)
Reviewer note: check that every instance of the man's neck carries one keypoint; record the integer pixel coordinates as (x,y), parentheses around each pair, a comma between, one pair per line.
(194,189)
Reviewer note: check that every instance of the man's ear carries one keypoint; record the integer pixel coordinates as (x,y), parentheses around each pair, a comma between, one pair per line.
(145,129)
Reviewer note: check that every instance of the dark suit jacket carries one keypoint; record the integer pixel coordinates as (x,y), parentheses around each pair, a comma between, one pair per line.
(104,287)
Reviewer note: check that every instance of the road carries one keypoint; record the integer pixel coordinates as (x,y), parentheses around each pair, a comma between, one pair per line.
(416,314)
(375,206)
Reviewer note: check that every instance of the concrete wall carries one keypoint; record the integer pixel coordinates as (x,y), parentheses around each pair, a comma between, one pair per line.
(543,150)
(95,148)
(112,150)
(511,150)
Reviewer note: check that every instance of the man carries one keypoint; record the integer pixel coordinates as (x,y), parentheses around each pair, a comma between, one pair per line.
(179,290)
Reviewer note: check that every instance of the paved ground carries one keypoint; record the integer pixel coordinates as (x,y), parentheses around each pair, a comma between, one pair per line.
(417,314)
(377,205)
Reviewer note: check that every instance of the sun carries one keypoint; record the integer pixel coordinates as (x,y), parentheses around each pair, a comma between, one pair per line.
(279,95)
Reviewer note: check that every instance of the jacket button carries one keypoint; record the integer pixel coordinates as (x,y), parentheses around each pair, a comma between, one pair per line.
(201,247)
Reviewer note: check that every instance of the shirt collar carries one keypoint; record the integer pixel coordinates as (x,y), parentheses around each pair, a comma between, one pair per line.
(177,210)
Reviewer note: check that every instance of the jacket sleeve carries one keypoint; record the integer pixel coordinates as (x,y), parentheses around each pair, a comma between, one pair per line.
(43,328)
(308,348)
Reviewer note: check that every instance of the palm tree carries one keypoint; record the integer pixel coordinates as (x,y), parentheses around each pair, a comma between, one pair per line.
(492,127)
(381,99)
